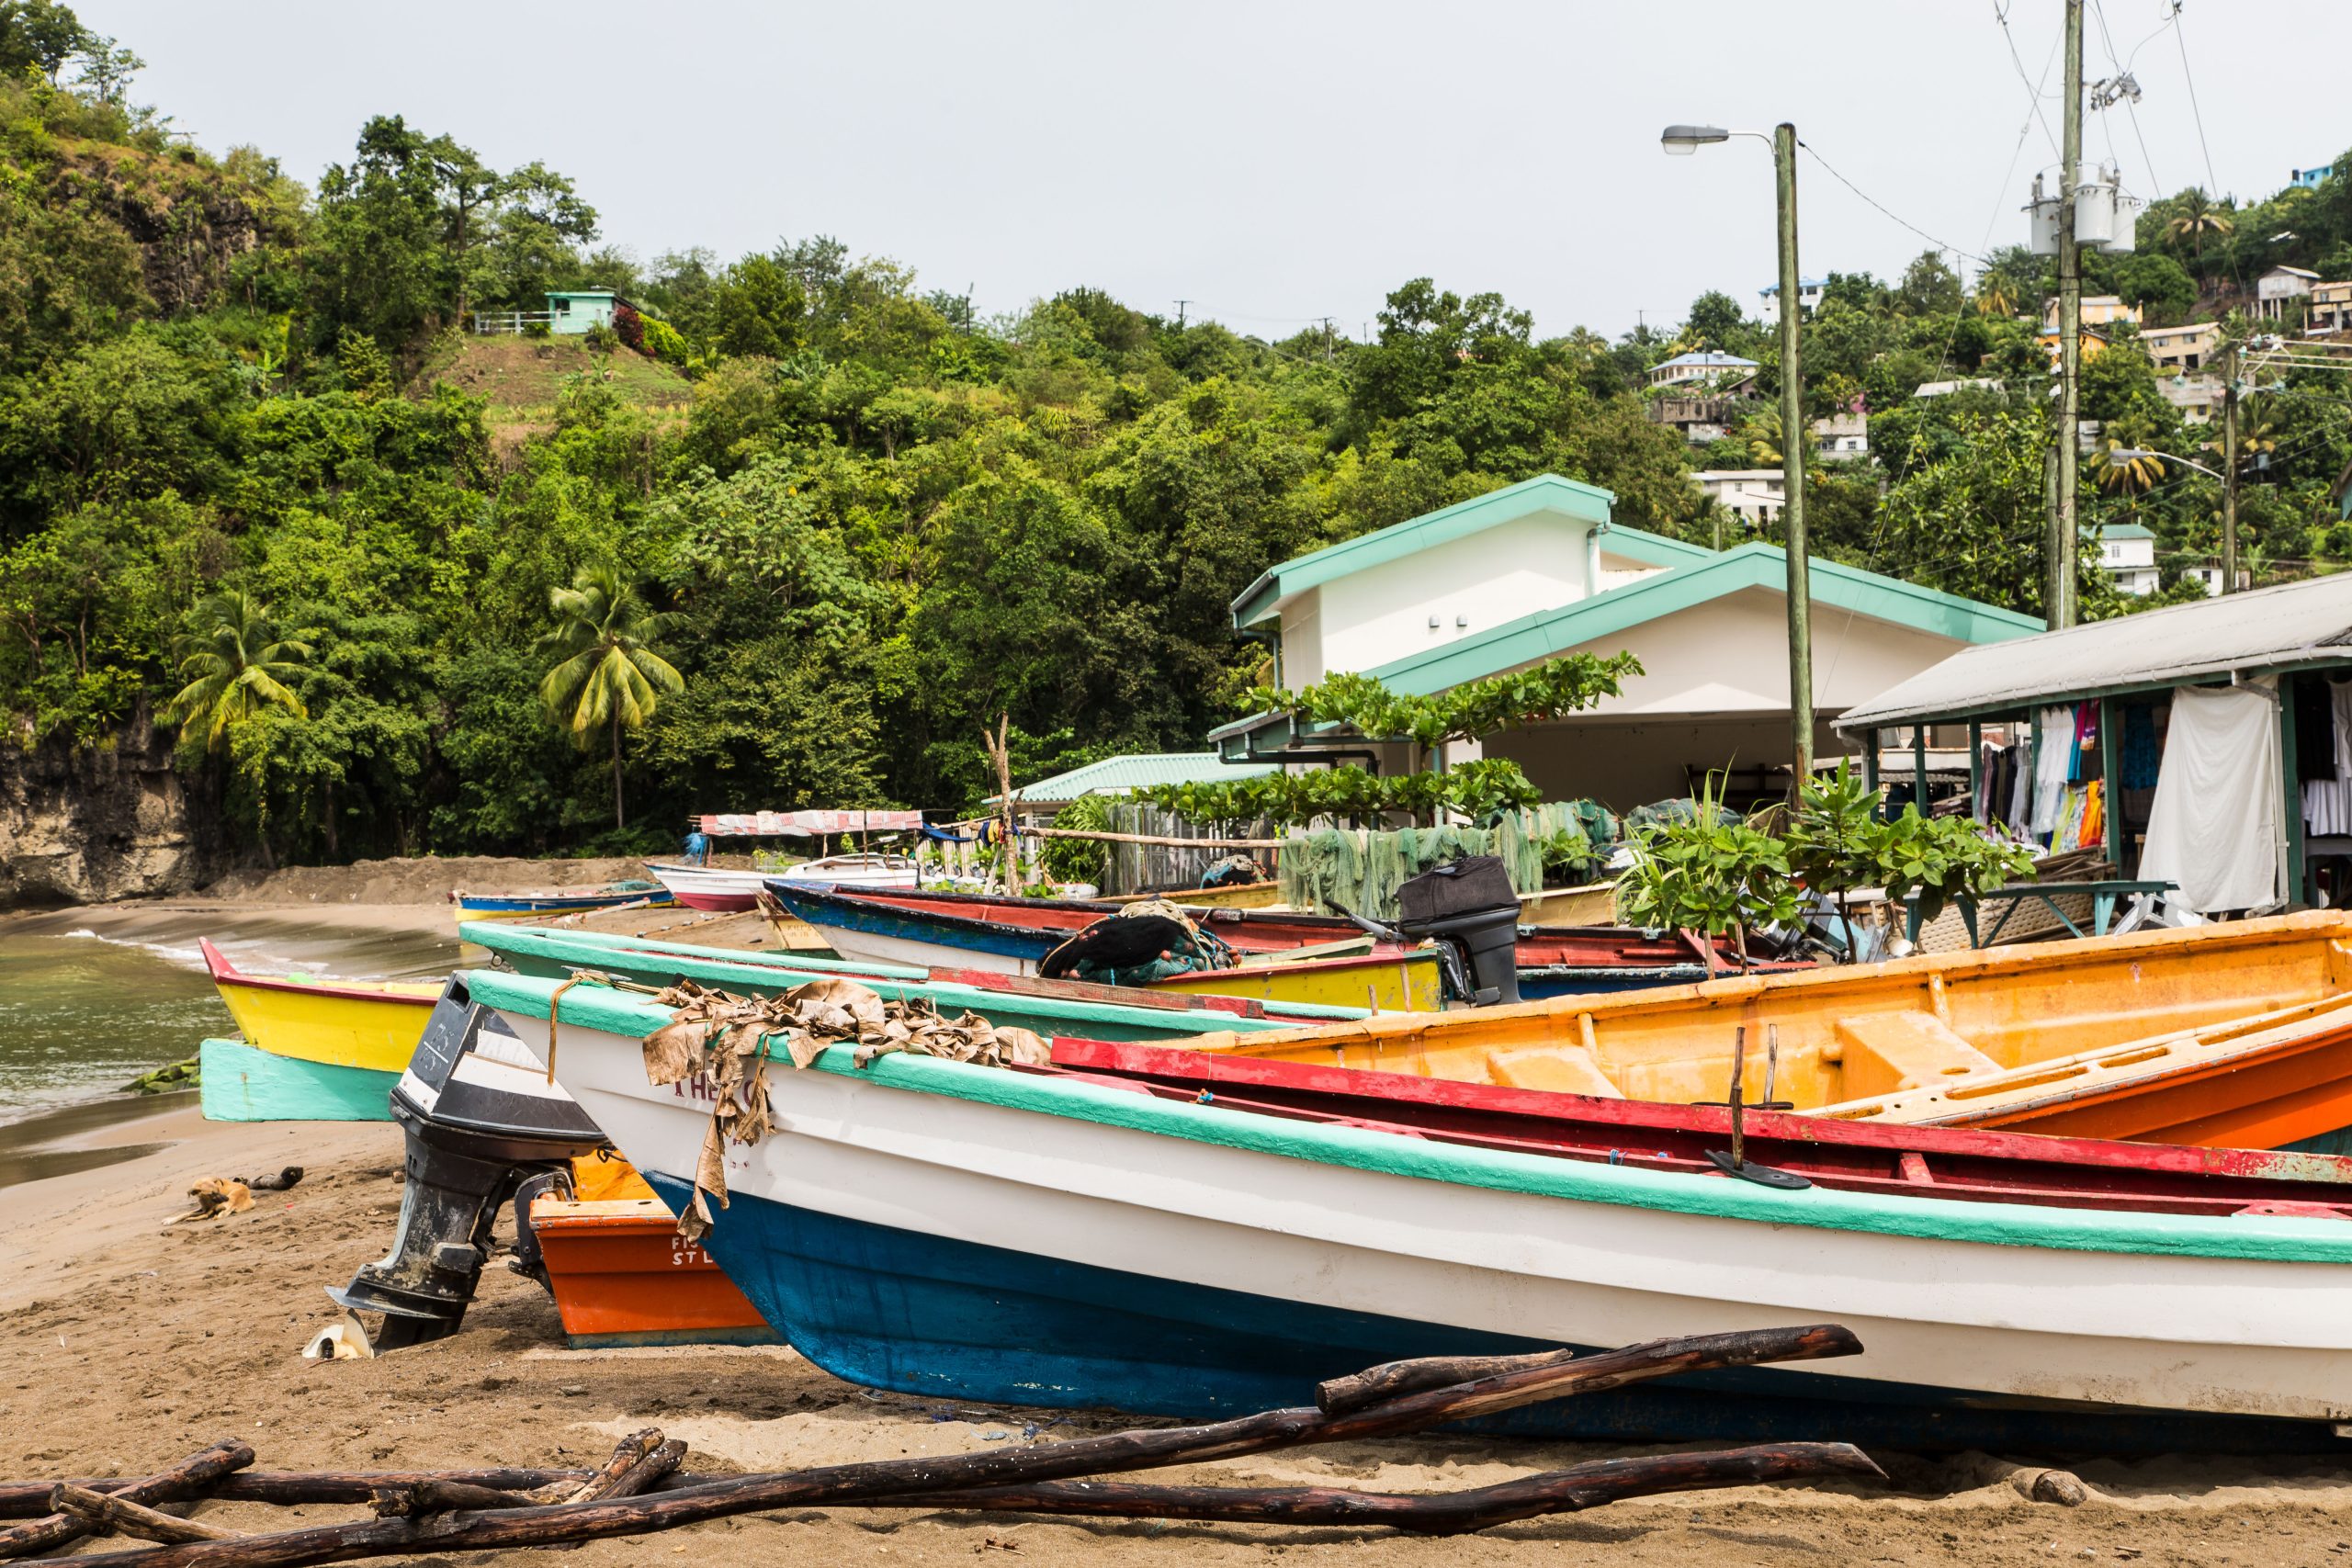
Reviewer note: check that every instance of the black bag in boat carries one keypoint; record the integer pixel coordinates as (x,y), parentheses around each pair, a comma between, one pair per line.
(1469,886)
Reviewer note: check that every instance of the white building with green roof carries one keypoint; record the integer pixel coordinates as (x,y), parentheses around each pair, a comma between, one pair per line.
(1517,577)
(2128,552)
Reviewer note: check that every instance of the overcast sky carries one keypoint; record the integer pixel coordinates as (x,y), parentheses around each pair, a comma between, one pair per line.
(1273,162)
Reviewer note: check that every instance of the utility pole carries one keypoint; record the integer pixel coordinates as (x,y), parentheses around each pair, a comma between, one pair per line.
(2058,594)
(2229,468)
(1180,313)
(1793,443)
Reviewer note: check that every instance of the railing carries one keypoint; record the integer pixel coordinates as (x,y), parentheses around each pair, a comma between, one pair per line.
(486,322)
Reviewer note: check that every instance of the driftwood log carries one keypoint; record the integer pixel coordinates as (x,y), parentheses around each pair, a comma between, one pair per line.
(1014,1477)
(104,1512)
(1389,1379)
(191,1477)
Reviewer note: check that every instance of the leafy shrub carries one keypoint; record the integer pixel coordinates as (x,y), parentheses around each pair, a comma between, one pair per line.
(628,326)
(601,338)
(1484,791)
(1722,877)
(1079,859)
(538,329)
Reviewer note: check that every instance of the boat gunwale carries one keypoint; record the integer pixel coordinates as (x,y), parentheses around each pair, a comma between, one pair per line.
(2246,1237)
(225,973)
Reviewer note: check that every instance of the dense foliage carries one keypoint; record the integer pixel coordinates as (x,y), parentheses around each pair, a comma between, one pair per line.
(864,520)
(1481,790)
(1550,691)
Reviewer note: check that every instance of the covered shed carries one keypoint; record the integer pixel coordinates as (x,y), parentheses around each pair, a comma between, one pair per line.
(2261,774)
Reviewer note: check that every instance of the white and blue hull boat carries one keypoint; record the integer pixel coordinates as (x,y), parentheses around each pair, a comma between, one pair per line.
(981,1234)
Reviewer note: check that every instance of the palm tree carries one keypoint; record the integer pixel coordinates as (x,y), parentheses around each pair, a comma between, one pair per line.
(609,677)
(235,666)
(1996,295)
(2126,476)
(2198,217)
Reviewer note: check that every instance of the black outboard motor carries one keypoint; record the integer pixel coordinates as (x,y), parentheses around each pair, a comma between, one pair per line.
(1470,908)
(481,1120)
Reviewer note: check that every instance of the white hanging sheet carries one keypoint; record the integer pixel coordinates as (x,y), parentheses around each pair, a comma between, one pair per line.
(2214,826)
(2053,757)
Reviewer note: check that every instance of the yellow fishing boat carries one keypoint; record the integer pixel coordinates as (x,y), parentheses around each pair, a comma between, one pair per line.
(372,1024)
(2225,1035)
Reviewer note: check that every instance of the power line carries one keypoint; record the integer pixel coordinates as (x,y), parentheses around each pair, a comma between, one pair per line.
(2131,99)
(2033,90)
(1886,211)
(2180,36)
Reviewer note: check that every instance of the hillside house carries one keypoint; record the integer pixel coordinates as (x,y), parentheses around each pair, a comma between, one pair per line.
(2329,309)
(1808,298)
(2177,350)
(2128,552)
(1514,578)
(1753,495)
(1702,365)
(2195,396)
(2276,291)
(1842,435)
(572,312)
(1701,419)
(2309,178)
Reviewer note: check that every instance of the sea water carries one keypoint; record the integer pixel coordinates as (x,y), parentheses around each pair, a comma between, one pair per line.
(91,998)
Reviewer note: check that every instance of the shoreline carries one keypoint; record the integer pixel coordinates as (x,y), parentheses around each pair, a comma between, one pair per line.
(131,1343)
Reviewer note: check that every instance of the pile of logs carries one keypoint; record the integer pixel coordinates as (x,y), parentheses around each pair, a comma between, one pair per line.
(641,1490)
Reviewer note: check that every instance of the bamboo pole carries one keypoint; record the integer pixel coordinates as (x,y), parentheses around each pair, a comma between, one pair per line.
(1159,838)
(900,1479)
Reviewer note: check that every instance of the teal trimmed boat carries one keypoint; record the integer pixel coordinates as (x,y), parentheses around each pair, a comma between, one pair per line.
(243,1083)
(1095,1013)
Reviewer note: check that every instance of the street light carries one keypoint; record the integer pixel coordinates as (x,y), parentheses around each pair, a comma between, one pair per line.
(2133,454)
(1681,141)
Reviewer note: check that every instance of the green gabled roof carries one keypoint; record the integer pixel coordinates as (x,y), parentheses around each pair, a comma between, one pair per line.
(1545,492)
(1755,565)
(1140,769)
(2125,531)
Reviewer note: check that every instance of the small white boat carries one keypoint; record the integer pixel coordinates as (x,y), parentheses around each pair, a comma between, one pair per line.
(710,887)
(970,1233)
(851,870)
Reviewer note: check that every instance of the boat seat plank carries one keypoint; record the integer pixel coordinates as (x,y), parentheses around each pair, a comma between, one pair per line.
(1888,1051)
(1561,1069)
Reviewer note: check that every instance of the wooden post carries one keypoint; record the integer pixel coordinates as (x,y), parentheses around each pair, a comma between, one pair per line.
(2111,774)
(2295,867)
(1919,768)
(1793,445)
(2058,594)
(1982,807)
(1008,858)
(1870,766)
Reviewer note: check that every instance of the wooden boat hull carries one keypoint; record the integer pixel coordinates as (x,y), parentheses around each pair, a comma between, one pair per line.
(370,1024)
(1592,906)
(1105,1016)
(906,931)
(241,1083)
(2228,1034)
(1012,933)
(968,1233)
(1233,896)
(621,1275)
(552,902)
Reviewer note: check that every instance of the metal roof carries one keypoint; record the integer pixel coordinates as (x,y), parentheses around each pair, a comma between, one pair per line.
(2293,625)
(1139,770)
(1709,357)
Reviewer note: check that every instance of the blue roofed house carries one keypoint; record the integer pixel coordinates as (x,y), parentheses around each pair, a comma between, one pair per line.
(1513,578)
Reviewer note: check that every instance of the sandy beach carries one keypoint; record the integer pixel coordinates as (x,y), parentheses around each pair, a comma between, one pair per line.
(126,1343)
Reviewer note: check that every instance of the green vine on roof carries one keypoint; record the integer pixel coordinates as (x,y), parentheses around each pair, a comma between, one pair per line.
(1568,684)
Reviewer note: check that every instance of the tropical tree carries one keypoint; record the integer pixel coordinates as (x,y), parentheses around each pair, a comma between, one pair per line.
(2197,218)
(2125,474)
(235,665)
(609,678)
(1996,295)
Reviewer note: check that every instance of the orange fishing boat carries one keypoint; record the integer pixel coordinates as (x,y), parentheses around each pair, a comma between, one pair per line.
(2230,1035)
(622,1275)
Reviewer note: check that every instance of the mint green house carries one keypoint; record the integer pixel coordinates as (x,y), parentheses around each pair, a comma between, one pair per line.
(573,311)
(1523,575)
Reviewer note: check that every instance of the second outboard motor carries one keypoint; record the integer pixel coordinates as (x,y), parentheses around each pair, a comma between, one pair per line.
(1470,908)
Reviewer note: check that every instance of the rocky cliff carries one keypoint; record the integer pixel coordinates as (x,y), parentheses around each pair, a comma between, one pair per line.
(81,824)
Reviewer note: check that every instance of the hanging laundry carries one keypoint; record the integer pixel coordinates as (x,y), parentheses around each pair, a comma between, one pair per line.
(2053,758)
(2085,762)
(2214,827)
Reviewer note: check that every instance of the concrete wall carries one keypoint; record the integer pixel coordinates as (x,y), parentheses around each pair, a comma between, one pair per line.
(1731,655)
(1624,763)
(1498,574)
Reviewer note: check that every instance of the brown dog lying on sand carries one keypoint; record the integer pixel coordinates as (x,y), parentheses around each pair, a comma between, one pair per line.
(216,1195)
